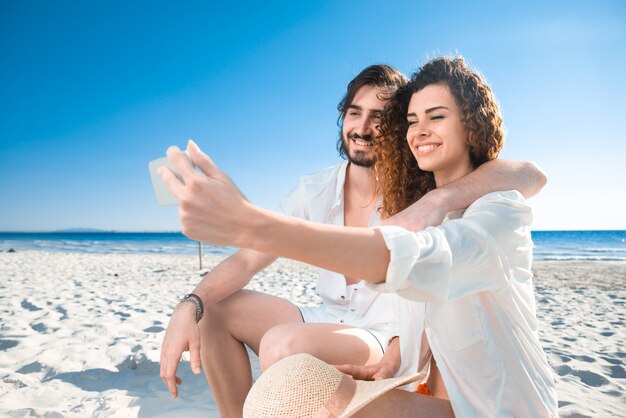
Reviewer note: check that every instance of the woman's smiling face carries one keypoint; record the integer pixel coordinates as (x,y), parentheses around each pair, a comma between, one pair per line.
(436,134)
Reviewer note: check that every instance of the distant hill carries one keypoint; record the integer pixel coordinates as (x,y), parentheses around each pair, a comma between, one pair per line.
(79,230)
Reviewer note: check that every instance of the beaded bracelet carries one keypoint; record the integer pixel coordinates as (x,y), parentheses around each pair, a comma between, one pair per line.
(195,299)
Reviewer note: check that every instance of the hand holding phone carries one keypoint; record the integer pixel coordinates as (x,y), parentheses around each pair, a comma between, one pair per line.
(164,197)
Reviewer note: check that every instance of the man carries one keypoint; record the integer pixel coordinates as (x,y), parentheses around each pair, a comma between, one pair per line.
(341,195)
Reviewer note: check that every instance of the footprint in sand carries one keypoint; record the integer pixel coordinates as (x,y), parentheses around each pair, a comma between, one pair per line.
(30,368)
(617,372)
(563,370)
(39,327)
(613,393)
(63,313)
(612,360)
(154,329)
(564,403)
(29,306)
(590,378)
(6,344)
(586,359)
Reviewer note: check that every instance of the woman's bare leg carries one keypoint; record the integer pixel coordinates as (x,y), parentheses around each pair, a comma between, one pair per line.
(332,343)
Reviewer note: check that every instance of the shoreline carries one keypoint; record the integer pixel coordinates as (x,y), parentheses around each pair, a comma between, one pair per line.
(81,333)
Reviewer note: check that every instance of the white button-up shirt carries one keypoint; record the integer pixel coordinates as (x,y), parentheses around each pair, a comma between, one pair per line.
(474,273)
(319,197)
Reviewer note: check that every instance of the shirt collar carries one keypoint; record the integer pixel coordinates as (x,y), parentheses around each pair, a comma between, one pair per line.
(341,180)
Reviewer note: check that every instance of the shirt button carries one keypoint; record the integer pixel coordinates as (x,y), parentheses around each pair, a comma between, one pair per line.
(341,320)
(343,297)
(351,310)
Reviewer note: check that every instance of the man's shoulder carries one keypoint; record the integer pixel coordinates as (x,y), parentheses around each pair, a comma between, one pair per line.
(323,177)
(315,194)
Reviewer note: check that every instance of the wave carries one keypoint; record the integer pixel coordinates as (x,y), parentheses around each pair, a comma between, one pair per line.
(554,246)
(580,258)
(605,250)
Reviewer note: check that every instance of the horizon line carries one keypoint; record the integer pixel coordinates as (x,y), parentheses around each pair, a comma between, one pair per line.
(113,231)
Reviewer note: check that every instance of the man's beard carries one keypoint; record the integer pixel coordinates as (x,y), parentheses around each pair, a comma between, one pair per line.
(359,158)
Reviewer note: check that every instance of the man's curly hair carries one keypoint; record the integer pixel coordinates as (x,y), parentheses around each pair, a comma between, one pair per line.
(400,179)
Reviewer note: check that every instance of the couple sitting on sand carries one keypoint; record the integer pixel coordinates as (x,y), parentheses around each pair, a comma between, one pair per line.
(448,272)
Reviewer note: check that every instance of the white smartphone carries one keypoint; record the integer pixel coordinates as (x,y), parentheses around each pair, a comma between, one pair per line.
(163,195)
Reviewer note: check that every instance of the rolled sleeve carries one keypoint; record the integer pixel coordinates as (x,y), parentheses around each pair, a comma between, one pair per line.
(462,256)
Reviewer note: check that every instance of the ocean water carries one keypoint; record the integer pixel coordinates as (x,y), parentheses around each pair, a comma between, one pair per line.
(107,243)
(554,246)
(580,245)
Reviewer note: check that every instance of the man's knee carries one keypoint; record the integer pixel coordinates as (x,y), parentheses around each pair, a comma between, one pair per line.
(221,315)
(277,343)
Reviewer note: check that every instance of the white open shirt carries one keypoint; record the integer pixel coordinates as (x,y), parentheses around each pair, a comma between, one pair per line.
(319,197)
(474,275)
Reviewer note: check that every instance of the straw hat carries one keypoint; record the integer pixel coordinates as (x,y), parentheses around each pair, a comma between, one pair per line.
(304,386)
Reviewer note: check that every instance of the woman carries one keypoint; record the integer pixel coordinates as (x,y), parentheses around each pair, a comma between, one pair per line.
(472,272)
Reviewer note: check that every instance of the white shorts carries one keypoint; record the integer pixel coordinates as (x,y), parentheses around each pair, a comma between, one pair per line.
(321,315)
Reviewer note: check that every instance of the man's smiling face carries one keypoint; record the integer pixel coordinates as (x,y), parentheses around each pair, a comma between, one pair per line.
(360,126)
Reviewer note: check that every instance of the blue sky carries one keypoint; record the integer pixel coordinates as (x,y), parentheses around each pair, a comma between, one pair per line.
(91,91)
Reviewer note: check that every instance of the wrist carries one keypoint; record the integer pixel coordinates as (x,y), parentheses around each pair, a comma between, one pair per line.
(186,309)
(440,198)
(256,229)
(194,301)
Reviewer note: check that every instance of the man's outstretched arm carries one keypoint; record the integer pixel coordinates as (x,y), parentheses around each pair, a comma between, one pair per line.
(232,274)
(496,175)
(183,333)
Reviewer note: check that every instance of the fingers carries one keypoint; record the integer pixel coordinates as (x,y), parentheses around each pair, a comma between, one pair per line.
(169,364)
(382,374)
(202,161)
(357,372)
(194,356)
(181,162)
(343,368)
(172,182)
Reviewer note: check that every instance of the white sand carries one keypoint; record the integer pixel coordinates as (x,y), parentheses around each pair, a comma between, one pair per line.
(80,334)
(582,314)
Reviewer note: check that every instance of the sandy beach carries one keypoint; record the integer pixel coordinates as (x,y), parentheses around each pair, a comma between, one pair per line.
(80,334)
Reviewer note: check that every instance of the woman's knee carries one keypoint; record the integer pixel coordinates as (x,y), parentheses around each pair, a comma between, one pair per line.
(279,342)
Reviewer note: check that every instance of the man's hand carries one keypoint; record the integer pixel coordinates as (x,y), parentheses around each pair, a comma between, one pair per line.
(182,335)
(427,211)
(494,175)
(212,209)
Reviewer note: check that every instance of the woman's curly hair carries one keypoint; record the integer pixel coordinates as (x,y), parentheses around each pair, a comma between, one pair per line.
(400,179)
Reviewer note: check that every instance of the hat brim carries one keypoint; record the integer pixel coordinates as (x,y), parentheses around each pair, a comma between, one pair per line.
(367,391)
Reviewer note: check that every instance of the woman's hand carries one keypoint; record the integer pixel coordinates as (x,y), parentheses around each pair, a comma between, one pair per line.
(212,209)
(377,371)
(386,368)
